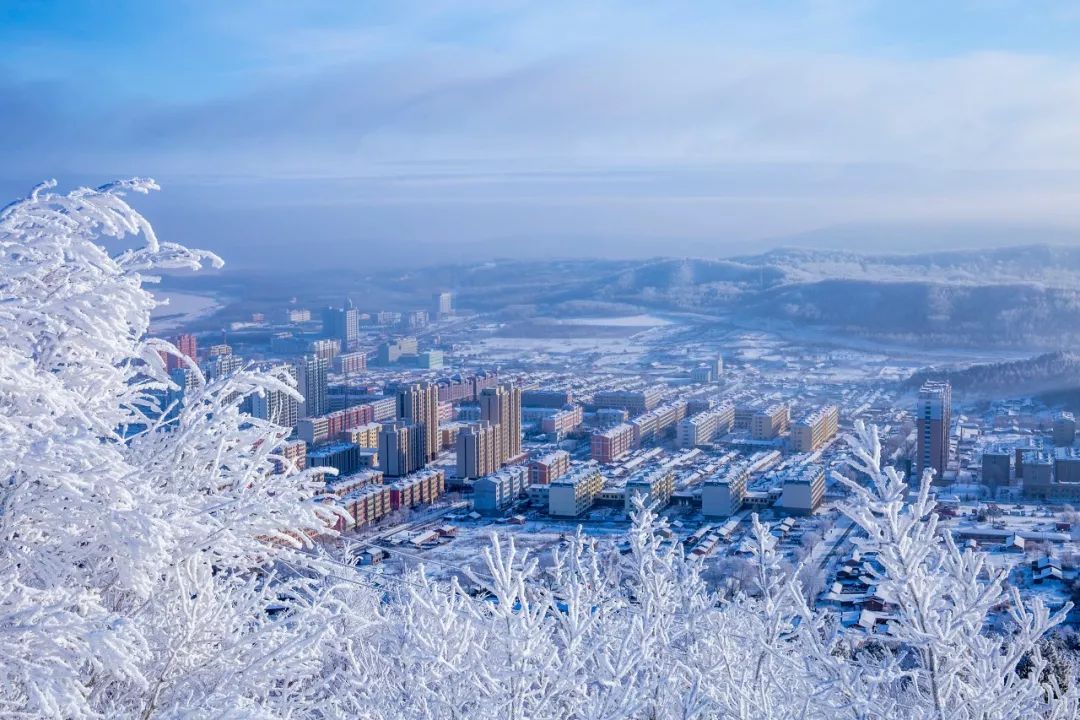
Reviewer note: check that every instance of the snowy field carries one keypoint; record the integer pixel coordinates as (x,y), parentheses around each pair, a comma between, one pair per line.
(180,309)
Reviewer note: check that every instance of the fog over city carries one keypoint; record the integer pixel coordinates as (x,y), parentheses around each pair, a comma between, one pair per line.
(431,132)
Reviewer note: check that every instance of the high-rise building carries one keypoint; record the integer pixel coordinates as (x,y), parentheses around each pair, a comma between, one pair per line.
(220,366)
(501,405)
(399,448)
(327,348)
(418,404)
(441,305)
(933,416)
(342,324)
(277,406)
(187,345)
(354,361)
(311,383)
(478,450)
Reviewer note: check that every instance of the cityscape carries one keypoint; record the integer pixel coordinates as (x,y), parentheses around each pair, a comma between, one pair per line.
(435,444)
(563,360)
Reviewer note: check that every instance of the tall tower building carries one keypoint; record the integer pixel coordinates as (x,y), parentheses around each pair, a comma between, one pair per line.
(478,450)
(418,404)
(187,345)
(277,406)
(933,418)
(399,449)
(311,383)
(441,305)
(501,405)
(342,324)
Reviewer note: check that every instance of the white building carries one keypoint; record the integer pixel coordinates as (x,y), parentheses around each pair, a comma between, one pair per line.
(804,488)
(496,492)
(723,493)
(702,427)
(573,494)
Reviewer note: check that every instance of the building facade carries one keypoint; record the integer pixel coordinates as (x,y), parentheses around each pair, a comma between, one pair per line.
(418,404)
(501,406)
(573,494)
(478,450)
(611,444)
(803,489)
(770,422)
(548,467)
(933,416)
(722,494)
(813,430)
(311,382)
(399,448)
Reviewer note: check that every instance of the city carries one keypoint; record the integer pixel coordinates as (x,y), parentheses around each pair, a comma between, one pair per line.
(563,360)
(440,431)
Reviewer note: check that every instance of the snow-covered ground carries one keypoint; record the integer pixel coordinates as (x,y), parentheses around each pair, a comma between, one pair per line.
(180,309)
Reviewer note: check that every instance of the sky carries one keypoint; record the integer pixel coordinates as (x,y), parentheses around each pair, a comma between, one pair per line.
(327,134)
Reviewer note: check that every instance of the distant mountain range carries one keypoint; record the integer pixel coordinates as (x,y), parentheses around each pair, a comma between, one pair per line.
(1005,297)
(1025,297)
(1045,374)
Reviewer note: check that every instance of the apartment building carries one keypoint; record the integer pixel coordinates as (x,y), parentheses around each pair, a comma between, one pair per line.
(498,491)
(556,399)
(933,415)
(770,422)
(419,488)
(813,430)
(364,436)
(655,487)
(634,402)
(703,427)
(562,421)
(354,361)
(611,444)
(803,489)
(723,493)
(574,493)
(548,467)
(478,450)
(501,407)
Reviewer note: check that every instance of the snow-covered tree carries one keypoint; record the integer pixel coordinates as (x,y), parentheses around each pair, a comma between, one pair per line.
(135,573)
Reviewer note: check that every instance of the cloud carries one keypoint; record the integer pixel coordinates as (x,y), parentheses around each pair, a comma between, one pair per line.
(639,121)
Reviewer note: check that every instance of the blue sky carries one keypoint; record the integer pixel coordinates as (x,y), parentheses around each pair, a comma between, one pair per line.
(388,131)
